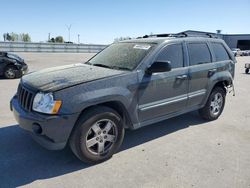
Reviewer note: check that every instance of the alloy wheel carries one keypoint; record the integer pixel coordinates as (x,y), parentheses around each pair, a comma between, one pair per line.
(101,137)
(216,104)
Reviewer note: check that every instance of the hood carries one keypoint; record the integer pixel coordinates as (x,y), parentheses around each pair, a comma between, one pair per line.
(61,77)
(14,57)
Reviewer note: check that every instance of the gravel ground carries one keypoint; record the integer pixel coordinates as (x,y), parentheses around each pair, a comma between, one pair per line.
(180,152)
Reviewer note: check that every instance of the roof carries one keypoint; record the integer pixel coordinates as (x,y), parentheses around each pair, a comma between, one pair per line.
(158,40)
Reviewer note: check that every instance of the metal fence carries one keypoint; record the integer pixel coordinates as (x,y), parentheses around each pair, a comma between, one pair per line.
(50,47)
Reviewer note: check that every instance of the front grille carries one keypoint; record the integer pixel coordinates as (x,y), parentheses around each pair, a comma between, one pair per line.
(25,98)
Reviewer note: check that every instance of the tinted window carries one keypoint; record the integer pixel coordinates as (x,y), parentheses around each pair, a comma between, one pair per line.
(220,52)
(198,53)
(172,53)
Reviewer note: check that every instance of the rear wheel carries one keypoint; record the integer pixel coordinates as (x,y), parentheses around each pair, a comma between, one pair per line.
(98,135)
(215,104)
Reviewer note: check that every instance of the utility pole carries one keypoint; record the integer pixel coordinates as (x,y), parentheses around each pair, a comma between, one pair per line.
(69,27)
(48,37)
(78,38)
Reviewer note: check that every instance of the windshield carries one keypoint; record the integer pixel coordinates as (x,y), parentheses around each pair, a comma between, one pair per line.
(14,56)
(124,56)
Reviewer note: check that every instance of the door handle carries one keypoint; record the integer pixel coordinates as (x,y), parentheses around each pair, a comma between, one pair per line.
(211,72)
(182,77)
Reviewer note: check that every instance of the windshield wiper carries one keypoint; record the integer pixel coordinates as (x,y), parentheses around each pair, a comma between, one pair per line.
(121,68)
(102,65)
(111,67)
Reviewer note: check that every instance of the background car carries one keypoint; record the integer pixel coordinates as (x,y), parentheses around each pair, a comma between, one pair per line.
(12,66)
(246,52)
(237,52)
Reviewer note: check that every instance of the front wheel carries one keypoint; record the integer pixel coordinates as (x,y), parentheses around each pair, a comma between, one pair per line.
(10,72)
(247,71)
(98,135)
(215,104)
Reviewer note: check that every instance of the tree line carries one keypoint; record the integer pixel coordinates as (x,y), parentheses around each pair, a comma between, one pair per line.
(25,37)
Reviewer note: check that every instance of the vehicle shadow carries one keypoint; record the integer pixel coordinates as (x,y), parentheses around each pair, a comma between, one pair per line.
(23,161)
(3,78)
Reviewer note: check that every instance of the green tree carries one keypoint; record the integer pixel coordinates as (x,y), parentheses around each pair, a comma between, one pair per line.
(52,39)
(8,37)
(14,36)
(5,36)
(25,37)
(59,39)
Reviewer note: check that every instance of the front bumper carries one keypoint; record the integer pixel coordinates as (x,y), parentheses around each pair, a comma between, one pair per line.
(55,129)
(25,69)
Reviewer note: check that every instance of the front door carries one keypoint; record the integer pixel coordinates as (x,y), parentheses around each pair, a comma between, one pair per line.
(164,93)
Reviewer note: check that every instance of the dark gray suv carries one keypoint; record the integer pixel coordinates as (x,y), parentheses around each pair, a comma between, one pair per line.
(128,85)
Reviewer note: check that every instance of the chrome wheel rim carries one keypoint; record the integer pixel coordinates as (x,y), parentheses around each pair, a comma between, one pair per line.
(216,104)
(101,137)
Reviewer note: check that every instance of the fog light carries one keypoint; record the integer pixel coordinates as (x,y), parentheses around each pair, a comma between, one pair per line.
(37,128)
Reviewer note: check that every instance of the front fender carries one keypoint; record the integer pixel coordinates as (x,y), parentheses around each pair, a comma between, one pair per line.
(91,98)
(83,100)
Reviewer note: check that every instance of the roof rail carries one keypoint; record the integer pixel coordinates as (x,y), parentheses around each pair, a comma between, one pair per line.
(165,35)
(182,34)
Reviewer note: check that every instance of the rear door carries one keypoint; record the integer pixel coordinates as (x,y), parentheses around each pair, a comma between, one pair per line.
(164,93)
(200,70)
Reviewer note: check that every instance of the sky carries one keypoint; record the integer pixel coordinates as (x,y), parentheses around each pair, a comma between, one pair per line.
(100,22)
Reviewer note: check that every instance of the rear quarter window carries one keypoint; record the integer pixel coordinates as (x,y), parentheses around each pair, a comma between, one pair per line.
(220,52)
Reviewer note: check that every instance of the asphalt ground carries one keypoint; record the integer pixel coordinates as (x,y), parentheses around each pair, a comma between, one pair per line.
(185,151)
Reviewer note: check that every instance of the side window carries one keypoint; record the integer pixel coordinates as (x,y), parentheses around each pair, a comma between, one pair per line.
(172,53)
(198,53)
(220,52)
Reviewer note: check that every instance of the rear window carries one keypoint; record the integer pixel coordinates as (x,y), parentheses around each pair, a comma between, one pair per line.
(220,52)
(198,53)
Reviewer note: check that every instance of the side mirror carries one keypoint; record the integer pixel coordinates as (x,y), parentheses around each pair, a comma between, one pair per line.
(159,66)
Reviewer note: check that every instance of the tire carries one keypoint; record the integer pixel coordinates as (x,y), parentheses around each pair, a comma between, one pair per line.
(97,135)
(214,105)
(247,71)
(10,72)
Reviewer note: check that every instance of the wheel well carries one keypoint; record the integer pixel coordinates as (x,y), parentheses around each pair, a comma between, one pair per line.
(223,84)
(118,107)
(10,65)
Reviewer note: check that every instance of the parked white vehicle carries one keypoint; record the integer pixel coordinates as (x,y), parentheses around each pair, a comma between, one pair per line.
(237,52)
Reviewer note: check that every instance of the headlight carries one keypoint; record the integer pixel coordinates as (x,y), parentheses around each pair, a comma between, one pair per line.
(45,103)
(17,64)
